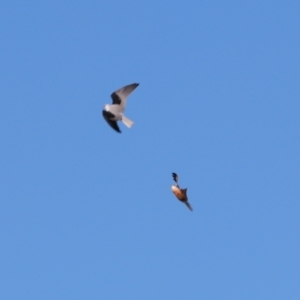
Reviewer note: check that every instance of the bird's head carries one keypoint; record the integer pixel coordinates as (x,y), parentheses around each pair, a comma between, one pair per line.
(106,107)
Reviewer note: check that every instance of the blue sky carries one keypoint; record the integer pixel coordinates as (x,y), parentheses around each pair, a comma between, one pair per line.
(87,213)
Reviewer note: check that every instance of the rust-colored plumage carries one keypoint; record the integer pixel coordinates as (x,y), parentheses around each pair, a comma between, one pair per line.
(181,194)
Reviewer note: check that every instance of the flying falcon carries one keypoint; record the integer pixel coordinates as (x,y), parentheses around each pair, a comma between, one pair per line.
(115,112)
(180,193)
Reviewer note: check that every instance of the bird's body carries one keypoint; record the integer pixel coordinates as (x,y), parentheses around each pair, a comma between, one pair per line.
(115,112)
(181,194)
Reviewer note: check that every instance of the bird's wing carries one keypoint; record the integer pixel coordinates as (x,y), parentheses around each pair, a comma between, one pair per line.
(175,177)
(107,116)
(114,125)
(120,96)
(184,191)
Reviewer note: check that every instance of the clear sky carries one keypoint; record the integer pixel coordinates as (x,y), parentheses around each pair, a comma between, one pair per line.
(87,213)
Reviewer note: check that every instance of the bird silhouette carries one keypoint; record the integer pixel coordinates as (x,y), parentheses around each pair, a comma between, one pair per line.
(115,112)
(181,194)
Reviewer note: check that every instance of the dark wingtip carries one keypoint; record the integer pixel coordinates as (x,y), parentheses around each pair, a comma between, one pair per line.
(175,177)
(117,130)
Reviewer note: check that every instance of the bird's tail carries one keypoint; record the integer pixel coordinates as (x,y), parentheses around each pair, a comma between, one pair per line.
(127,121)
(189,206)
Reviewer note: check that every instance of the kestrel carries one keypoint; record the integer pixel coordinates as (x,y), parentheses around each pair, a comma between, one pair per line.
(180,193)
(115,112)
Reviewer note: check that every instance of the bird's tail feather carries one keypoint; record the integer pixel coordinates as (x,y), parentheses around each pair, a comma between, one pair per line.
(127,121)
(189,206)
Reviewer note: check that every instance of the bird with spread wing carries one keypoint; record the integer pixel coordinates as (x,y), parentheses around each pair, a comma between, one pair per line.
(115,112)
(181,194)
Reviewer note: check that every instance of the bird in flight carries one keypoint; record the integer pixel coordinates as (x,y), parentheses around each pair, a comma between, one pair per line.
(115,112)
(180,193)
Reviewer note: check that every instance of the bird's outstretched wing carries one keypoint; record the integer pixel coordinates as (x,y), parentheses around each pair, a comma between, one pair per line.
(107,116)
(120,96)
(114,125)
(175,177)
